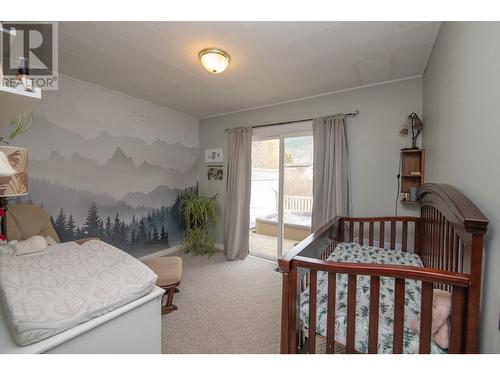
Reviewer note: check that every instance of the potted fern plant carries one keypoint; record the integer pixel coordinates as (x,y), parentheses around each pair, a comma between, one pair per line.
(198,212)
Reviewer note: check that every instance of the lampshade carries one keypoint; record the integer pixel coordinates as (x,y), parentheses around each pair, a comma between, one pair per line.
(214,60)
(17,184)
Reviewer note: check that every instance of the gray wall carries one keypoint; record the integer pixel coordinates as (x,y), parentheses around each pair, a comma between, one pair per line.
(461,135)
(374,139)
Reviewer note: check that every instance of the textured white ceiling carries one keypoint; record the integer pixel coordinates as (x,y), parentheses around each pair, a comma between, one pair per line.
(270,61)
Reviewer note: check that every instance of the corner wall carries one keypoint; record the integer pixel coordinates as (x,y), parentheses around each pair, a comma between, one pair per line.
(462,134)
(374,140)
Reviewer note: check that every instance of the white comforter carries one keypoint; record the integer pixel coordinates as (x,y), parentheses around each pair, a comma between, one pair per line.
(46,293)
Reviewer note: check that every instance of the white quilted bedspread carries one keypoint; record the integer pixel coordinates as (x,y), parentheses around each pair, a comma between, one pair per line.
(46,293)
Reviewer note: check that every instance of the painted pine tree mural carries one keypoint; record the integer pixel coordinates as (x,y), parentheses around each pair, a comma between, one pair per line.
(138,236)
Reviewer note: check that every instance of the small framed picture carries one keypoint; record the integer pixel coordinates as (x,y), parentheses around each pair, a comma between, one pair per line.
(214,155)
(215,173)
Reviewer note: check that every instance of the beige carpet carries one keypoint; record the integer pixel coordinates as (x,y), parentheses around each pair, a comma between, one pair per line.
(225,307)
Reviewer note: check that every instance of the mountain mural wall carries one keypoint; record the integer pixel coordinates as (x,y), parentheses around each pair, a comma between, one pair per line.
(108,165)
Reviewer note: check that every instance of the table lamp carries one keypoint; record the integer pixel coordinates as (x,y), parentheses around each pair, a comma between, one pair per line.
(13,176)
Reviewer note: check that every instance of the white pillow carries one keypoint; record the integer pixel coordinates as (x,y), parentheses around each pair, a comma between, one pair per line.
(50,240)
(34,244)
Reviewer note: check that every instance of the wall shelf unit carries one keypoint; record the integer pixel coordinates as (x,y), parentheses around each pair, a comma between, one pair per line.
(14,101)
(411,173)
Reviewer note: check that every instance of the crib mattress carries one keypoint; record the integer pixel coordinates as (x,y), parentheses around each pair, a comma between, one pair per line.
(355,253)
(46,293)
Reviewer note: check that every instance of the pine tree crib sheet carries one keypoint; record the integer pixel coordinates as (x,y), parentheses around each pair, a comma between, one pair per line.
(356,253)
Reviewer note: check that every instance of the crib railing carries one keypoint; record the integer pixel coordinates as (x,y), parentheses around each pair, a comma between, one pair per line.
(449,238)
(395,233)
(458,283)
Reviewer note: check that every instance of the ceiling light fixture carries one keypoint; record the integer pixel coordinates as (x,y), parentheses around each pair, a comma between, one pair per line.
(214,60)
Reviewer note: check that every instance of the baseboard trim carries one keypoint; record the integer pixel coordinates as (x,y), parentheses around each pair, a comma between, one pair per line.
(161,253)
(220,247)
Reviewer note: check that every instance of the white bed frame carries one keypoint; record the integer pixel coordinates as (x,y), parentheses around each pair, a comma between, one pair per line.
(131,329)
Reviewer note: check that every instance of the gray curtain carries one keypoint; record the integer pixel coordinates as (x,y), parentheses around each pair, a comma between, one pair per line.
(331,181)
(237,198)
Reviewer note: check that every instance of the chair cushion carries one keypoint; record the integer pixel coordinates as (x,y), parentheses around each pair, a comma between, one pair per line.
(168,269)
(27,220)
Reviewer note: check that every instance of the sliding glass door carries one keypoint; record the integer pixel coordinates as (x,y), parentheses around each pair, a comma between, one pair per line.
(281,199)
(264,201)
(297,189)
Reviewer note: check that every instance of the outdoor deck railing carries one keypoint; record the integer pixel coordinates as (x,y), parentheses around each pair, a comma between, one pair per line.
(297,203)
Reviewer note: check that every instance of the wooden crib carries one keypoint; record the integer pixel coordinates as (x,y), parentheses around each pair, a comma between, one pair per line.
(448,237)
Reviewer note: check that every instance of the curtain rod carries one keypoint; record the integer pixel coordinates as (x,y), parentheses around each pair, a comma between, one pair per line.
(350,114)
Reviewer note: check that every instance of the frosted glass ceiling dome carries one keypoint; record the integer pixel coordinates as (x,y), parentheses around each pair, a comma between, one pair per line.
(214,60)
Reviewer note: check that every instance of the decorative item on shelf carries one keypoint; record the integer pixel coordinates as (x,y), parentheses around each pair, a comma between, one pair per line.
(415,126)
(13,178)
(198,212)
(403,196)
(413,193)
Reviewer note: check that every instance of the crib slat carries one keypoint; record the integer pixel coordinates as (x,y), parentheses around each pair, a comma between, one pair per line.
(461,264)
(330,314)
(351,313)
(451,233)
(341,229)
(293,312)
(404,236)
(457,320)
(436,242)
(393,235)
(313,284)
(370,233)
(361,233)
(449,248)
(445,244)
(373,321)
(432,237)
(442,242)
(440,239)
(418,229)
(425,236)
(399,316)
(436,239)
(440,252)
(381,239)
(351,231)
(456,243)
(424,346)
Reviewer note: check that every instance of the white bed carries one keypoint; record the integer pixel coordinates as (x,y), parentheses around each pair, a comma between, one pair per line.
(71,298)
(131,329)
